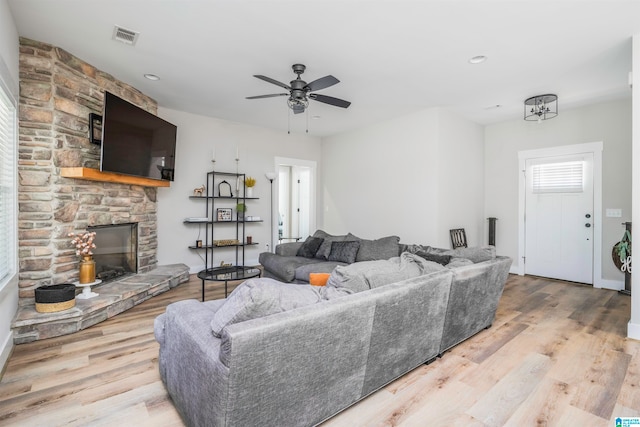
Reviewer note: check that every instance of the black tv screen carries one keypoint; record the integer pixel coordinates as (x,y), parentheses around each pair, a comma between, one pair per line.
(136,142)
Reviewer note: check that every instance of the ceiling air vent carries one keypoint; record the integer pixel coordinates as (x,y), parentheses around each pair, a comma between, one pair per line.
(125,36)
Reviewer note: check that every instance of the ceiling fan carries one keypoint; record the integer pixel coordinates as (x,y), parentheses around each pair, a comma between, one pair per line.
(300,91)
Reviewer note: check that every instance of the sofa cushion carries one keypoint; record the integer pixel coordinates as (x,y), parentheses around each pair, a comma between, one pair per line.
(310,247)
(383,248)
(351,277)
(346,251)
(440,259)
(406,266)
(475,254)
(325,247)
(262,297)
(284,267)
(459,262)
(303,271)
(365,275)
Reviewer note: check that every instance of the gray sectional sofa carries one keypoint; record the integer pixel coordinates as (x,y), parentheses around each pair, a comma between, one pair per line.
(276,353)
(292,263)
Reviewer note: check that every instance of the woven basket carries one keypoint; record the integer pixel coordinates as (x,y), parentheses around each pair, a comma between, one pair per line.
(50,299)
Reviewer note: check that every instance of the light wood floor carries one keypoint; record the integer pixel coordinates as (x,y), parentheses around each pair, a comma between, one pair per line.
(556,355)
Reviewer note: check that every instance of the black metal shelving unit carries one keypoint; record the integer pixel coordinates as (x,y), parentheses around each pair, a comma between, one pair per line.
(219,230)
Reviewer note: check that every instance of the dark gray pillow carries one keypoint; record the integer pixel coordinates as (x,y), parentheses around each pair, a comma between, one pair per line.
(344,252)
(309,247)
(440,259)
(383,248)
(325,247)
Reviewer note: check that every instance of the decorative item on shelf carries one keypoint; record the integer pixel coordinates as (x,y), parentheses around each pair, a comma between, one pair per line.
(241,208)
(226,242)
(223,214)
(224,264)
(224,189)
(198,243)
(249,240)
(84,245)
(249,183)
(198,191)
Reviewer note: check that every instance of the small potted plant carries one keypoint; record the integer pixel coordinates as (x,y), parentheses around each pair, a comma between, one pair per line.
(249,183)
(241,208)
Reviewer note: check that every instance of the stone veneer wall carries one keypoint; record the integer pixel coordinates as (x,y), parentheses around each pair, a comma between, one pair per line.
(57,93)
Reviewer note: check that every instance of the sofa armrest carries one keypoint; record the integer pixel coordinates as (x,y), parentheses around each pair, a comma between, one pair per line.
(288,249)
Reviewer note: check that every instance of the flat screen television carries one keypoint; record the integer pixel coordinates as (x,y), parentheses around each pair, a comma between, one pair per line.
(136,142)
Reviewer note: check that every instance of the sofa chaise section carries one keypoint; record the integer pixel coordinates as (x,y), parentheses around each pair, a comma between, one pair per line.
(298,367)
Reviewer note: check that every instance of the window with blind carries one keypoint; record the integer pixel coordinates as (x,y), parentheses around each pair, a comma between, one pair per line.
(7,184)
(564,177)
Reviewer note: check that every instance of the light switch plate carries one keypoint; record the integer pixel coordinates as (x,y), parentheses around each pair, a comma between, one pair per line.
(614,213)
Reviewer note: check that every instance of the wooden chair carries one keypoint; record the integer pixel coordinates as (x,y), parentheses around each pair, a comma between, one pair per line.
(458,238)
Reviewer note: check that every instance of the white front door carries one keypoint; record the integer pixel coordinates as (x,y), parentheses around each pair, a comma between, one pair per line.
(559,217)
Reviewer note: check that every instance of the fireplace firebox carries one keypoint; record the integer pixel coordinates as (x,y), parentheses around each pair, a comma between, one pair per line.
(116,252)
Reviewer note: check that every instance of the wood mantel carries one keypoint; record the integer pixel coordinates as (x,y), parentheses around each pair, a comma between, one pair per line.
(97,175)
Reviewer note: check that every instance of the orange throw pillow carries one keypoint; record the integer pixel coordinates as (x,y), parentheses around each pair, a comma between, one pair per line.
(318,279)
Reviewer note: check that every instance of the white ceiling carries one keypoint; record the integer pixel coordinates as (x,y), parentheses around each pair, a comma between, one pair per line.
(392,57)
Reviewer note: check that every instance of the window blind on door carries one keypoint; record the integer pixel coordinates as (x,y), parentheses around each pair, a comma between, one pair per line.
(563,177)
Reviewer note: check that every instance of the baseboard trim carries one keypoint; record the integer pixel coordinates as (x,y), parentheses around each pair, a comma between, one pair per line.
(5,353)
(633,331)
(614,285)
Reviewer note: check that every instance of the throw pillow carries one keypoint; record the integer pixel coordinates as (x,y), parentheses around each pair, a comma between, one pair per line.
(262,297)
(383,248)
(325,247)
(310,247)
(344,252)
(318,279)
(440,259)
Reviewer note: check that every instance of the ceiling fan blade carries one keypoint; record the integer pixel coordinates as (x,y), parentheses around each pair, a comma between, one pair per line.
(270,80)
(267,96)
(322,83)
(330,100)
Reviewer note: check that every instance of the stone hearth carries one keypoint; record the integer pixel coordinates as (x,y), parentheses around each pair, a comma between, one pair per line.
(114,298)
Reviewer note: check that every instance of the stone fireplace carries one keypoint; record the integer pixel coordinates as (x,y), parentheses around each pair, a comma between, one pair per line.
(57,93)
(117,255)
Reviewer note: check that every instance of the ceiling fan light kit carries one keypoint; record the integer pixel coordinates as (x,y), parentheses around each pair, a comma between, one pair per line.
(541,107)
(300,91)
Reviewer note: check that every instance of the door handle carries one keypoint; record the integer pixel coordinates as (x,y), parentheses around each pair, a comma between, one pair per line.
(587,225)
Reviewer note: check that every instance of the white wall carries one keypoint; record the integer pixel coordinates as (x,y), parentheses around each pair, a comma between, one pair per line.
(415,176)
(9,79)
(633,328)
(608,122)
(197,137)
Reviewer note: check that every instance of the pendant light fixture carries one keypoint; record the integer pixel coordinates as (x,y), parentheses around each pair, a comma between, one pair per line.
(541,107)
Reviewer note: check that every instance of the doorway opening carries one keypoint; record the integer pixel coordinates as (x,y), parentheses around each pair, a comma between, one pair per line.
(296,194)
(541,213)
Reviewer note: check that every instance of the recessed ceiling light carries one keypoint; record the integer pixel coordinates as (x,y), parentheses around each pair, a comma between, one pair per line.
(152,77)
(315,117)
(477,59)
(491,107)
